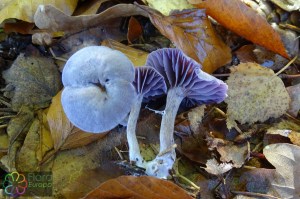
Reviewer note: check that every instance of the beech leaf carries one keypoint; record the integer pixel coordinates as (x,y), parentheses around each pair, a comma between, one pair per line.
(191,31)
(255,94)
(64,134)
(244,21)
(139,188)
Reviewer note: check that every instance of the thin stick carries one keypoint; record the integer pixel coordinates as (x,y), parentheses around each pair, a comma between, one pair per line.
(58,58)
(221,75)
(119,153)
(167,150)
(285,76)
(254,194)
(187,181)
(286,66)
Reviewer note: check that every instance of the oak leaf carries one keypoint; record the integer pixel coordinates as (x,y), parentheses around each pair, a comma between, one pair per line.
(244,21)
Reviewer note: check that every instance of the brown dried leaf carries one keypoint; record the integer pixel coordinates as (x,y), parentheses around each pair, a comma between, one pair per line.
(64,134)
(191,31)
(241,19)
(21,27)
(255,94)
(139,188)
(138,57)
(49,18)
(134,30)
(88,7)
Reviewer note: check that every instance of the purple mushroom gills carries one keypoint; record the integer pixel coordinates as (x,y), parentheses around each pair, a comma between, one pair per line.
(185,80)
(98,92)
(148,83)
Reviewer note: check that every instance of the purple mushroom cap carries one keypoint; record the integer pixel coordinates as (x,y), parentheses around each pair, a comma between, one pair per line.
(181,71)
(149,83)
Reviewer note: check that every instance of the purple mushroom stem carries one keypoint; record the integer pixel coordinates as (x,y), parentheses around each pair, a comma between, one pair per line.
(185,81)
(148,84)
(134,149)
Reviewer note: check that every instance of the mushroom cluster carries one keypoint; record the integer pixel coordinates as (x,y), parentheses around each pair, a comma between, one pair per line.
(102,87)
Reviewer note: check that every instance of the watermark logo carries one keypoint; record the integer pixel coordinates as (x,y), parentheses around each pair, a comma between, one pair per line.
(15,184)
(27,184)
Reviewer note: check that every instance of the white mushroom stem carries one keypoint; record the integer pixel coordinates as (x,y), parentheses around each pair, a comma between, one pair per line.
(134,149)
(174,99)
(161,165)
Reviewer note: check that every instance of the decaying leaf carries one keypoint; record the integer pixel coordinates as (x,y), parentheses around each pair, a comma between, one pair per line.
(255,94)
(215,168)
(288,5)
(32,81)
(24,10)
(88,7)
(49,18)
(134,30)
(285,158)
(166,6)
(195,116)
(192,32)
(21,27)
(241,19)
(294,92)
(138,188)
(138,57)
(64,134)
(293,135)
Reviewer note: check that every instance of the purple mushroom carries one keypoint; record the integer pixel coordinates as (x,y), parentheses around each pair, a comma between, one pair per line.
(98,92)
(185,80)
(148,83)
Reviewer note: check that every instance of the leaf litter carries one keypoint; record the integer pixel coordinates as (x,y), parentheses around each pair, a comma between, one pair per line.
(213,160)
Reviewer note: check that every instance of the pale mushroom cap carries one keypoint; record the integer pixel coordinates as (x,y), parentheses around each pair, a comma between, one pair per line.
(181,71)
(98,91)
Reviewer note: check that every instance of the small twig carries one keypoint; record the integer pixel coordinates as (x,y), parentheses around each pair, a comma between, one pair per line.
(58,58)
(285,76)
(221,75)
(178,175)
(257,148)
(254,194)
(3,126)
(119,153)
(7,117)
(167,150)
(224,115)
(286,66)
(249,167)
(155,111)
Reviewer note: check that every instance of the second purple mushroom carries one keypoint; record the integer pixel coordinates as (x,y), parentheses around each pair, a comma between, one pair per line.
(184,79)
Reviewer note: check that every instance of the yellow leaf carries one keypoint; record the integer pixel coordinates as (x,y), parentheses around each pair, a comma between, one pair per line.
(138,57)
(166,6)
(25,9)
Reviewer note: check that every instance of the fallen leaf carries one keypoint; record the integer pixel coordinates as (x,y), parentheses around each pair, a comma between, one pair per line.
(294,92)
(139,188)
(255,94)
(136,56)
(241,19)
(51,19)
(195,116)
(215,168)
(31,80)
(134,30)
(88,7)
(24,9)
(285,158)
(288,5)
(64,134)
(192,32)
(21,27)
(166,6)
